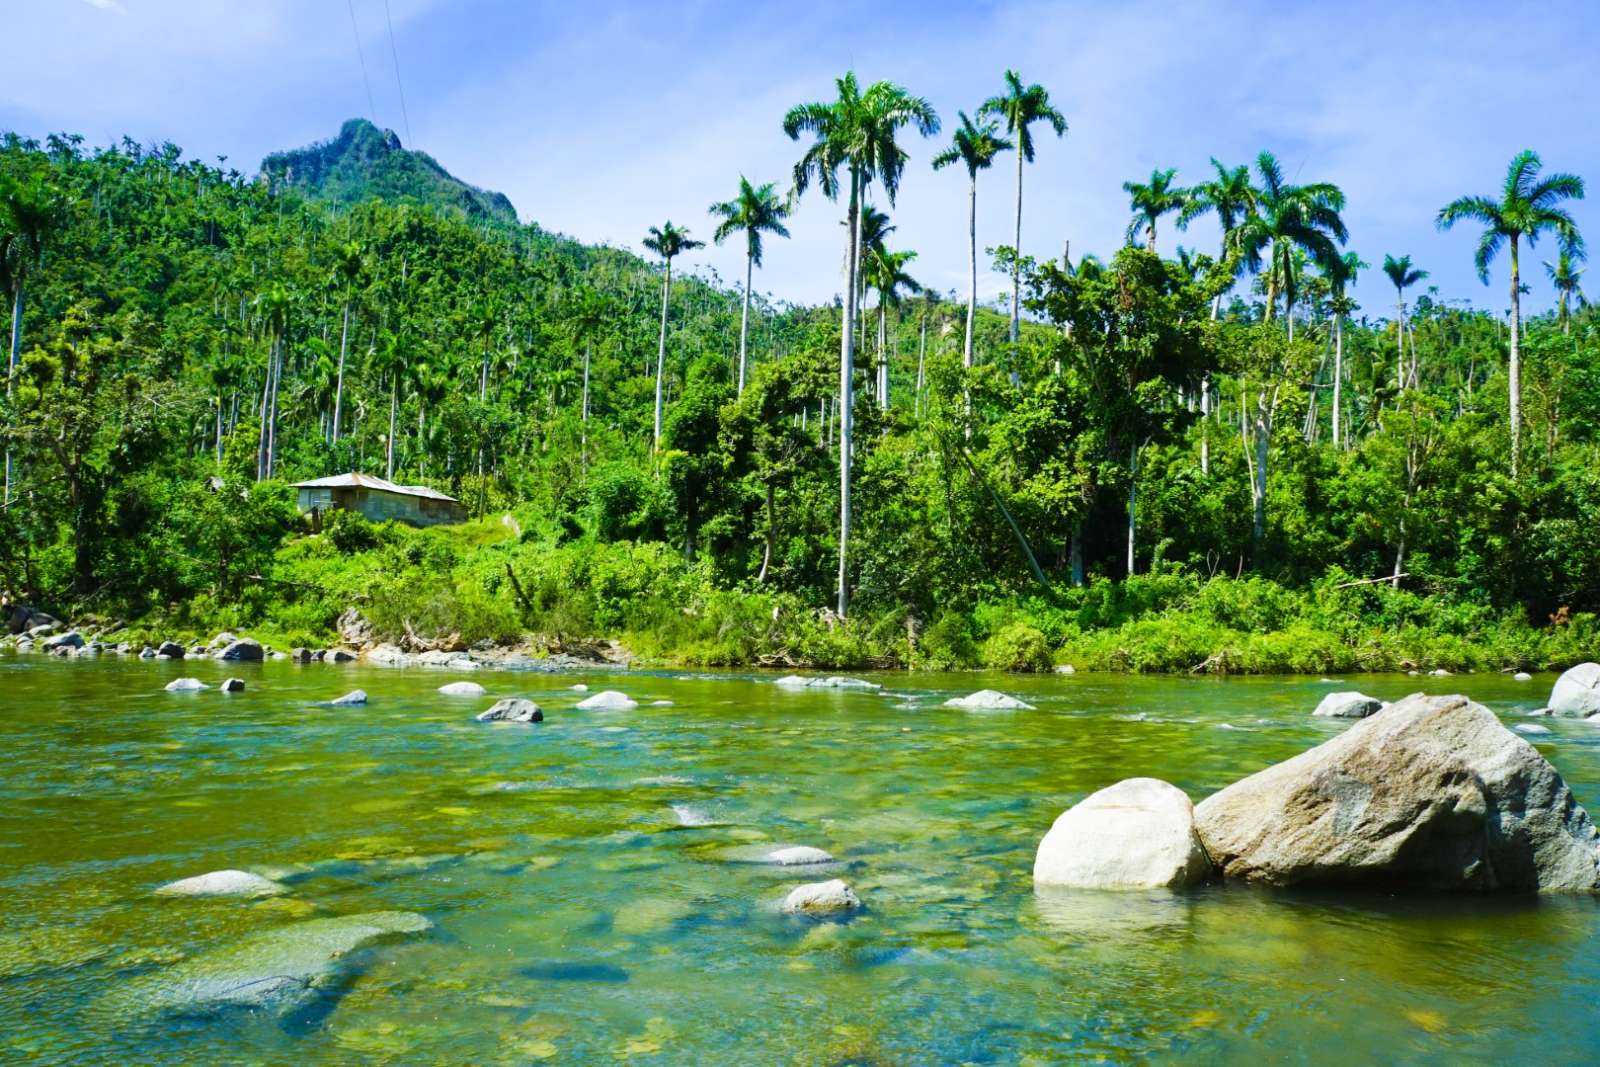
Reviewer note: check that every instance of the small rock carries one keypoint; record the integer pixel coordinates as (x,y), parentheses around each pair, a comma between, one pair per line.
(821,898)
(185,685)
(147,653)
(1348,705)
(833,681)
(70,639)
(1137,834)
(319,655)
(355,696)
(1531,728)
(512,709)
(338,655)
(463,689)
(1522,676)
(1440,673)
(1576,692)
(244,650)
(661,703)
(233,685)
(170,649)
(228,883)
(300,655)
(988,699)
(610,700)
(580,688)
(798,856)
(1066,668)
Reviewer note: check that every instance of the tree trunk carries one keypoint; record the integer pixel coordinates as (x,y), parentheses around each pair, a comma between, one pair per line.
(1075,555)
(1338,375)
(1150,237)
(972,275)
(883,356)
(394,403)
(1258,483)
(846,372)
(1133,501)
(583,419)
(772,527)
(744,317)
(272,411)
(338,389)
(1205,429)
(11,370)
(922,359)
(661,351)
(1016,262)
(219,428)
(1516,359)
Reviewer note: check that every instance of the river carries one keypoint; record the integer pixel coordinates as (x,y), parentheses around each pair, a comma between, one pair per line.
(592,900)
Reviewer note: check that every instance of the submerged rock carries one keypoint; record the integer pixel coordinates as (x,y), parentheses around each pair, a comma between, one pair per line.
(355,696)
(244,650)
(989,699)
(1137,834)
(1522,676)
(513,710)
(1531,728)
(233,685)
(276,972)
(610,700)
(1433,794)
(227,883)
(832,681)
(821,898)
(1348,705)
(1576,693)
(185,685)
(463,689)
(798,856)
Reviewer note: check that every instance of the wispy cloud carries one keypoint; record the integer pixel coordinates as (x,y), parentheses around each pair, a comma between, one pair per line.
(108,5)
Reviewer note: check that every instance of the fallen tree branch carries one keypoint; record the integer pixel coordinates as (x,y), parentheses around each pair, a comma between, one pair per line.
(1373,581)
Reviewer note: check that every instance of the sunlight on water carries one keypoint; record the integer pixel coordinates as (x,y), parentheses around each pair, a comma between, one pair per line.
(596,894)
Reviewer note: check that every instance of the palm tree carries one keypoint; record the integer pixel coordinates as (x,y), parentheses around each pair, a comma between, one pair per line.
(1020,107)
(30,213)
(1286,218)
(1564,274)
(1152,200)
(755,210)
(1233,198)
(1402,275)
(666,241)
(589,312)
(348,270)
(1527,208)
(886,275)
(275,304)
(976,146)
(1340,278)
(857,132)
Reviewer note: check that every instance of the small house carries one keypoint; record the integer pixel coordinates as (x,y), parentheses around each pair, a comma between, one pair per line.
(378,500)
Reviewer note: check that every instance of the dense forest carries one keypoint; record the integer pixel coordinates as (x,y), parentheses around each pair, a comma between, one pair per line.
(1217,461)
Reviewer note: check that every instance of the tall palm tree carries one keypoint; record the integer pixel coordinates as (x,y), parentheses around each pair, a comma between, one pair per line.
(855,132)
(1150,200)
(348,270)
(1340,278)
(30,213)
(1019,107)
(275,305)
(1528,207)
(886,275)
(1402,275)
(1231,196)
(756,210)
(1564,274)
(975,145)
(666,241)
(1286,218)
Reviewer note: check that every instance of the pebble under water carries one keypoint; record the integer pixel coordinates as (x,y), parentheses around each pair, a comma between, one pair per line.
(593,897)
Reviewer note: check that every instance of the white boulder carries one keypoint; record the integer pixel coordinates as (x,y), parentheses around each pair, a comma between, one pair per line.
(185,685)
(1137,834)
(512,709)
(610,700)
(989,700)
(355,696)
(1348,705)
(798,856)
(228,883)
(463,689)
(1577,692)
(821,898)
(1522,676)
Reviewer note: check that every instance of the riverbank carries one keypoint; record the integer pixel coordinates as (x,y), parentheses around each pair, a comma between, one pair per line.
(496,591)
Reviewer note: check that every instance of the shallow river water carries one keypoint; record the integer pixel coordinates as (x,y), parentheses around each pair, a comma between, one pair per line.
(590,902)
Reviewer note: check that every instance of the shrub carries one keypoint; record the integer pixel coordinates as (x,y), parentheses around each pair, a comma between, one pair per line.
(1017,646)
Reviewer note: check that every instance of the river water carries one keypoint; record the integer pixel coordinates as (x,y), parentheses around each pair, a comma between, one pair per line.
(592,902)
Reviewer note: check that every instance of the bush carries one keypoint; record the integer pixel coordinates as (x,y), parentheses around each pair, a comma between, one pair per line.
(1017,647)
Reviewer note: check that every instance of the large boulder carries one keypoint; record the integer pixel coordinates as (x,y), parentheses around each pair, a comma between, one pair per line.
(242,650)
(512,709)
(227,883)
(170,649)
(989,700)
(610,700)
(1348,706)
(1432,794)
(70,639)
(186,685)
(354,629)
(1137,834)
(821,898)
(1576,693)
(462,689)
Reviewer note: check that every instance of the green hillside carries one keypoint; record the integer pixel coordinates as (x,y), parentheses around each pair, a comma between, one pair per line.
(365,162)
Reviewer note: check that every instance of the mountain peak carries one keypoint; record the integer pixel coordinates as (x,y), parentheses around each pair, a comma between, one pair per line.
(364,161)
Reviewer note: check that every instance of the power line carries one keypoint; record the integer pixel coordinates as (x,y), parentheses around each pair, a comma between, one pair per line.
(395,53)
(372,109)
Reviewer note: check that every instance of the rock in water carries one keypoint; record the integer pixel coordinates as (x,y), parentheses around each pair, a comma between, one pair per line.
(989,700)
(1433,794)
(276,972)
(170,649)
(244,650)
(1522,676)
(1347,706)
(70,639)
(512,710)
(355,696)
(233,685)
(798,856)
(832,681)
(185,685)
(229,883)
(1137,834)
(610,700)
(821,898)
(463,689)
(1576,693)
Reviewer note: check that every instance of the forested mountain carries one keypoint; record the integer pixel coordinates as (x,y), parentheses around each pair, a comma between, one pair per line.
(1201,462)
(365,162)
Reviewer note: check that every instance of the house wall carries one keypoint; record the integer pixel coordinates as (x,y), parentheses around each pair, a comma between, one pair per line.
(380,506)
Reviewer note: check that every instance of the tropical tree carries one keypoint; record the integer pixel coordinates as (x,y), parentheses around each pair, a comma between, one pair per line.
(1402,275)
(1020,107)
(31,212)
(1288,218)
(275,305)
(756,210)
(1231,196)
(1150,200)
(1529,206)
(857,132)
(1340,305)
(666,241)
(348,270)
(886,275)
(1564,274)
(975,145)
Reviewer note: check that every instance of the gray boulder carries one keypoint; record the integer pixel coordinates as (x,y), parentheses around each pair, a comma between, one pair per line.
(1137,834)
(44,629)
(797,856)
(513,709)
(1433,794)
(233,685)
(300,655)
(338,655)
(463,689)
(1347,706)
(70,639)
(610,700)
(820,898)
(355,696)
(989,700)
(170,649)
(227,883)
(222,640)
(147,652)
(186,685)
(243,650)
(1576,693)
(275,973)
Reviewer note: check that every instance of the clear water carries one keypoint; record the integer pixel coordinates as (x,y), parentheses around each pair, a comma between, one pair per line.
(589,905)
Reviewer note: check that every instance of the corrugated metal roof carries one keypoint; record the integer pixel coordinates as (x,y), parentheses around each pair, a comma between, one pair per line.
(354,480)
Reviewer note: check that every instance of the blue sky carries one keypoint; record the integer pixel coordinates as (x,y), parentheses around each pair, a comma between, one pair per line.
(600,119)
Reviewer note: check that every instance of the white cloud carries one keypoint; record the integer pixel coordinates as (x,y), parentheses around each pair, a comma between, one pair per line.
(107,5)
